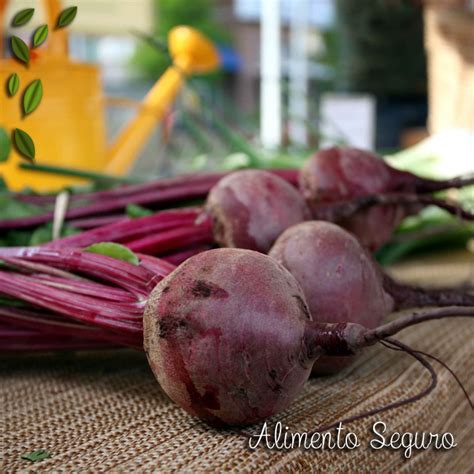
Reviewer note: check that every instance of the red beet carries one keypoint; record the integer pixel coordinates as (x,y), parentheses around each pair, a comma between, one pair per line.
(250,209)
(228,333)
(90,209)
(339,278)
(230,339)
(224,318)
(246,209)
(343,175)
(342,282)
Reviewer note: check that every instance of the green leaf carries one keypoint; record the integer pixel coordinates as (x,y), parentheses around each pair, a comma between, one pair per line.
(13,84)
(66,17)
(133,211)
(15,238)
(32,96)
(44,234)
(40,35)
(20,49)
(11,208)
(24,144)
(5,145)
(6,300)
(111,249)
(37,455)
(3,185)
(23,17)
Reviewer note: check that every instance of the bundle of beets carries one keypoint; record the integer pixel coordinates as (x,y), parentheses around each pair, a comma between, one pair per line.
(353,188)
(232,334)
(87,210)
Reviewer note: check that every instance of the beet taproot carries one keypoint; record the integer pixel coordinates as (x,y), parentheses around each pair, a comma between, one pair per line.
(230,338)
(228,333)
(343,283)
(336,180)
(340,281)
(224,336)
(246,209)
(251,208)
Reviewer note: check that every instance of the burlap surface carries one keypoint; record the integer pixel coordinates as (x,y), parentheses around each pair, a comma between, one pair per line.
(105,412)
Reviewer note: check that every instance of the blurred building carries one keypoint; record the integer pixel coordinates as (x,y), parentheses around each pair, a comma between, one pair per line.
(242,17)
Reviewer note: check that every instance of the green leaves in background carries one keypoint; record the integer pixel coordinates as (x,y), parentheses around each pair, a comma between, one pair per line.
(11,208)
(111,249)
(134,211)
(13,84)
(66,17)
(40,35)
(20,49)
(23,17)
(24,144)
(44,234)
(32,96)
(38,455)
(5,145)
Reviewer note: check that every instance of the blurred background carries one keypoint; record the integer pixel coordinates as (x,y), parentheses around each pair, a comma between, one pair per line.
(295,75)
(394,76)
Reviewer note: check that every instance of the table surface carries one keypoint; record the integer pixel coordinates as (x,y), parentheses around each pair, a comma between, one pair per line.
(104,411)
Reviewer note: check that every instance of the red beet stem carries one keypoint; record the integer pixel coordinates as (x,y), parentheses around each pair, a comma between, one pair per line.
(424,185)
(51,324)
(290,175)
(416,317)
(343,339)
(69,307)
(94,311)
(125,190)
(154,185)
(156,193)
(65,280)
(129,229)
(63,304)
(13,340)
(179,257)
(406,296)
(173,239)
(159,267)
(452,207)
(39,268)
(41,200)
(155,198)
(88,288)
(136,279)
(337,210)
(92,222)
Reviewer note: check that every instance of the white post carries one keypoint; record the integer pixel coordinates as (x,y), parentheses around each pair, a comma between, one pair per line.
(298,72)
(270,72)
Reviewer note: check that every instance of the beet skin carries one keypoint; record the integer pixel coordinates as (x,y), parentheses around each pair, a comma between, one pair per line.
(340,280)
(224,335)
(343,174)
(251,208)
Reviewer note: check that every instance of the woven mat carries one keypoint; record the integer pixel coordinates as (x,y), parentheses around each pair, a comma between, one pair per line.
(105,412)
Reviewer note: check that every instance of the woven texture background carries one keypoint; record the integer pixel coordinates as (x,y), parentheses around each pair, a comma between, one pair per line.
(105,412)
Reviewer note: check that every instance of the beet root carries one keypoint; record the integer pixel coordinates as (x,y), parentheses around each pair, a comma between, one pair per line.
(340,280)
(332,180)
(230,339)
(251,208)
(223,335)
